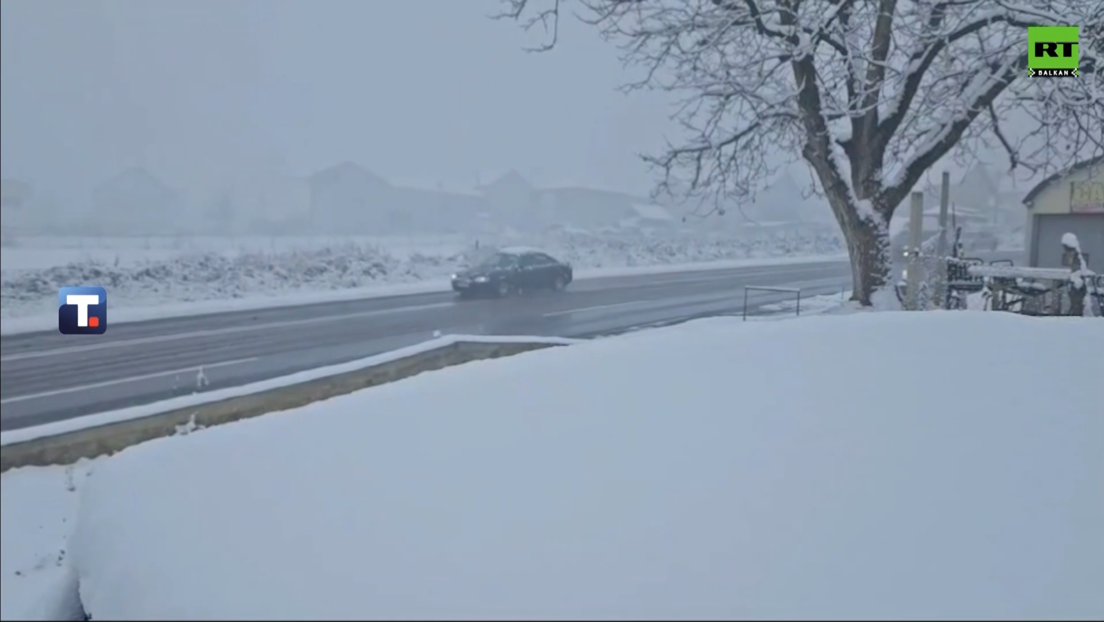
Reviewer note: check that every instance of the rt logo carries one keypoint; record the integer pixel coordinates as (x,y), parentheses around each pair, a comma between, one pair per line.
(1052,51)
(82,310)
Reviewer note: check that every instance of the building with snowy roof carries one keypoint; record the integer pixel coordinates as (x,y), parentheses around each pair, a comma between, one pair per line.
(1071,201)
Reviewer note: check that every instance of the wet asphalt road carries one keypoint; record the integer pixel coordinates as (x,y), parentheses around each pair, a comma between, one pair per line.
(49,377)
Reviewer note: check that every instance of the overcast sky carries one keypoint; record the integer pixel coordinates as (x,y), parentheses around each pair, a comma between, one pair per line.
(200,91)
(204,93)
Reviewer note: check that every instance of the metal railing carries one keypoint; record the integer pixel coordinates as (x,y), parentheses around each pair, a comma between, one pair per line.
(763,288)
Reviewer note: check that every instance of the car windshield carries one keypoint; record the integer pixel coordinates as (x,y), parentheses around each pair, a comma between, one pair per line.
(498,260)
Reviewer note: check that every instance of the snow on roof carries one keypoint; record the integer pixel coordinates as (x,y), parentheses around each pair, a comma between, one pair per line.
(652,212)
(611,479)
(1029,200)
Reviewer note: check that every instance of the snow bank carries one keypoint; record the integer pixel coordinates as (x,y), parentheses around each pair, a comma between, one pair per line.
(712,470)
(39,509)
(252,272)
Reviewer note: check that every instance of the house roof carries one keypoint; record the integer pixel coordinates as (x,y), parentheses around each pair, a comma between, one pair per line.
(510,177)
(1029,200)
(333,173)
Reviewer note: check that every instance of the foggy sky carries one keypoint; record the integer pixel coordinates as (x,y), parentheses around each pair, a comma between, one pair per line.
(206,94)
(201,92)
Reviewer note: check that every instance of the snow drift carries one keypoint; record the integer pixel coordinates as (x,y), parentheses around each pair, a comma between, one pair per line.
(714,470)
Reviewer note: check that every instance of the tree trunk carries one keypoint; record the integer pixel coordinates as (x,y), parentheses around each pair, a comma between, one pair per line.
(867,234)
(868,246)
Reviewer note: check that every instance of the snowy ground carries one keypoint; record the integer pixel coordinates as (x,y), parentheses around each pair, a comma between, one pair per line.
(38,508)
(47,252)
(723,470)
(172,271)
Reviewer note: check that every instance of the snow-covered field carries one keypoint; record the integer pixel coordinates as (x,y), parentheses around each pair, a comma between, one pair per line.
(47,252)
(161,272)
(38,509)
(712,470)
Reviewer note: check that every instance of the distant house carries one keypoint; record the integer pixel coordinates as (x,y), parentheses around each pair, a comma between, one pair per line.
(439,207)
(510,198)
(583,207)
(347,198)
(1071,201)
(134,202)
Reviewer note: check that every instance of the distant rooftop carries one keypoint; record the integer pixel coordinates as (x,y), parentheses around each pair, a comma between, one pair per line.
(1084,164)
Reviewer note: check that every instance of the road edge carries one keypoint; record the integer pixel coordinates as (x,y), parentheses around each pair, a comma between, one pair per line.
(69,447)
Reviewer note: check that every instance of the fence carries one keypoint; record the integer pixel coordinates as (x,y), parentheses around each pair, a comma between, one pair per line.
(763,288)
(950,282)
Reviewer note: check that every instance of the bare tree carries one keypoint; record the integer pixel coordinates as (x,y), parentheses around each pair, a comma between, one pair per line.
(870,93)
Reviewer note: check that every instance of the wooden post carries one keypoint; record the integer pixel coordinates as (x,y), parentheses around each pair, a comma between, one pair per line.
(916,231)
(944,205)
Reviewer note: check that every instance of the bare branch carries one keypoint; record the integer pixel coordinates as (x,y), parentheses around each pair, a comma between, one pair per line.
(870,93)
(979,95)
(1013,157)
(548,19)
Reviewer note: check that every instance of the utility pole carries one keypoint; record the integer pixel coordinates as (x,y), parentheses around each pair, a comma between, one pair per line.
(944,206)
(916,231)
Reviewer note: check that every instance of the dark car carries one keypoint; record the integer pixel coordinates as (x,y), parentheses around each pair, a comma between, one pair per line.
(511,271)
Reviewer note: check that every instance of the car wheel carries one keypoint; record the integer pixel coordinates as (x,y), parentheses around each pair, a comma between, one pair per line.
(504,289)
(559,284)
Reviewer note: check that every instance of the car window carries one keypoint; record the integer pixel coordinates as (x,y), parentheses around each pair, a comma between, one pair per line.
(499,260)
(530,259)
(543,260)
